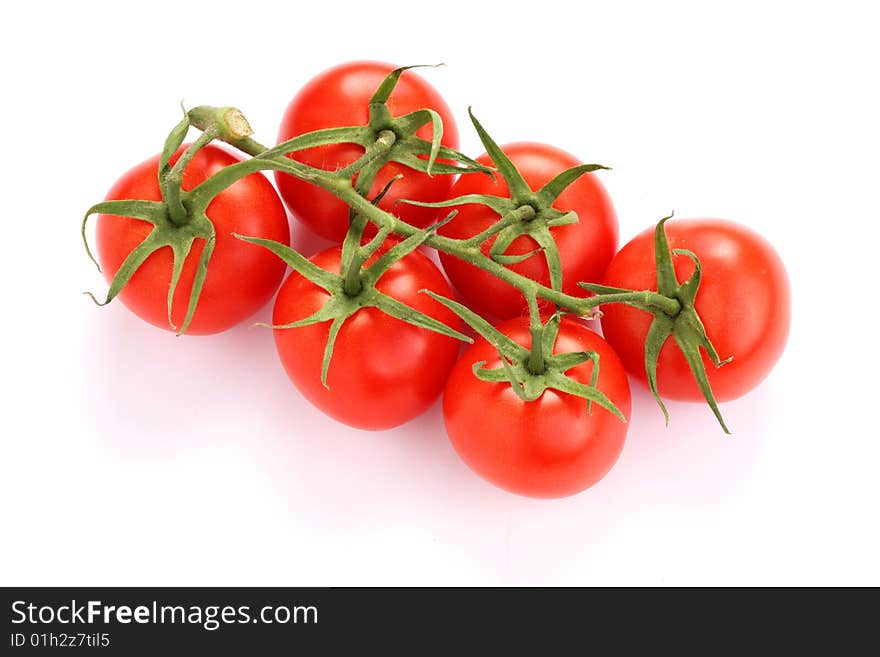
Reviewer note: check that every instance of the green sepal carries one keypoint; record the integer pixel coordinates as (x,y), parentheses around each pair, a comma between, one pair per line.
(375,242)
(575,358)
(503,374)
(360,135)
(385,89)
(419,146)
(335,325)
(498,375)
(180,253)
(324,314)
(660,329)
(201,274)
(409,123)
(519,188)
(321,277)
(667,283)
(519,387)
(501,205)
(556,218)
(551,190)
(499,226)
(414,162)
(132,261)
(504,345)
(505,238)
(691,351)
(394,308)
(589,392)
(515,259)
(689,288)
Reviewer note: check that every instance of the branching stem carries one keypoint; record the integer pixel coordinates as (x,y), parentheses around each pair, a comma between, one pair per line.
(173,189)
(342,188)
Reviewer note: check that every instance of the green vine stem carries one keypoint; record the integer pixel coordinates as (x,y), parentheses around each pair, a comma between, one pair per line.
(341,186)
(180,218)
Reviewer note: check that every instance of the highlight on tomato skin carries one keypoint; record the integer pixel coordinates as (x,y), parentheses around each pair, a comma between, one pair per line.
(585,248)
(547,448)
(241,279)
(340,97)
(744,301)
(384,372)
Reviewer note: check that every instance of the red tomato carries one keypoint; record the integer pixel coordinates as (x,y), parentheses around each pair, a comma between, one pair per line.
(384,371)
(549,447)
(585,248)
(744,302)
(340,97)
(241,277)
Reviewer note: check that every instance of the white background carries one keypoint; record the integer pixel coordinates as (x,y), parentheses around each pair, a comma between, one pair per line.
(131,457)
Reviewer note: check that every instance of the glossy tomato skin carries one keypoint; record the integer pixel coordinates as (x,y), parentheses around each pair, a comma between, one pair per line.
(744,302)
(549,447)
(384,372)
(585,248)
(241,277)
(340,97)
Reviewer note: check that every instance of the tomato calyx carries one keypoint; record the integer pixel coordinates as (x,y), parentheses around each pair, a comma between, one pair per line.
(530,372)
(678,319)
(178,221)
(523,212)
(407,146)
(342,305)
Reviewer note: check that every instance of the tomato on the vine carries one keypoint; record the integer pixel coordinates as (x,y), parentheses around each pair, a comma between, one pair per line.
(743,301)
(240,278)
(383,371)
(340,97)
(549,447)
(585,248)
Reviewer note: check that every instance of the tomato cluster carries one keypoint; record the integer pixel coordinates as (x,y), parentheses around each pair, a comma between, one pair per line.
(369,330)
